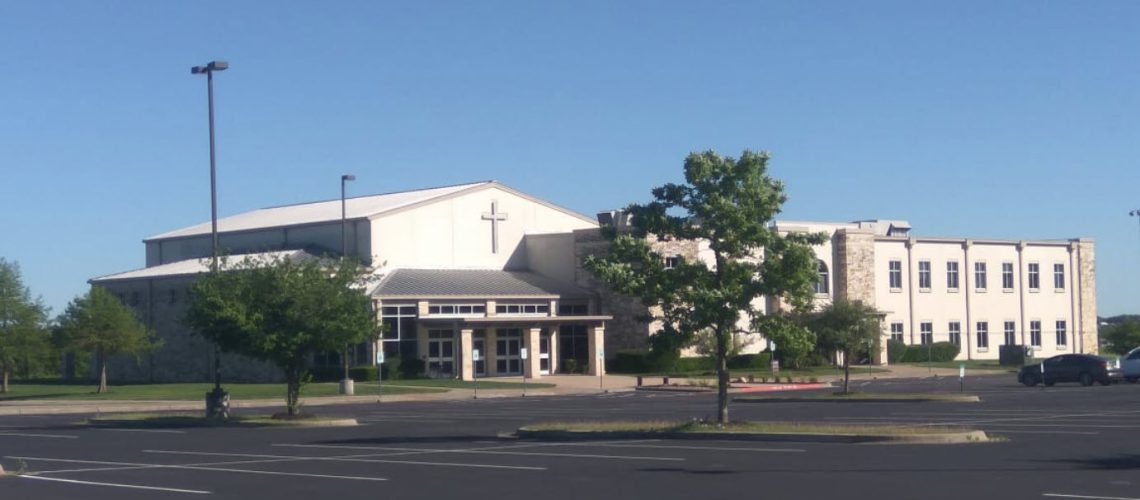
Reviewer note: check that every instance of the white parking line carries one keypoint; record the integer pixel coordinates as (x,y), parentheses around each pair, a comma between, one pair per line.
(1011,431)
(1091,497)
(117,485)
(194,467)
(160,431)
(682,447)
(482,451)
(350,458)
(22,434)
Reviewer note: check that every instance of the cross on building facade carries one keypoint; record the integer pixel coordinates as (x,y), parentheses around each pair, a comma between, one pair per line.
(494,216)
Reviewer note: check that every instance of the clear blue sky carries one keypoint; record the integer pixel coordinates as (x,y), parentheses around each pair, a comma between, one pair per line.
(1012,119)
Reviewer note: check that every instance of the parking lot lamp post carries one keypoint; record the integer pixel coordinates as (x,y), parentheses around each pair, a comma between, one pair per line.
(1135,213)
(346,385)
(217,401)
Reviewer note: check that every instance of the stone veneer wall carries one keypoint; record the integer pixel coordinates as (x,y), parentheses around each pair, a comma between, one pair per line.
(855,273)
(183,355)
(1090,337)
(632,321)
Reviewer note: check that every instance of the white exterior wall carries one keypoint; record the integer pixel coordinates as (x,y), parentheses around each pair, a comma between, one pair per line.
(451,233)
(894,302)
(552,255)
(939,304)
(1048,304)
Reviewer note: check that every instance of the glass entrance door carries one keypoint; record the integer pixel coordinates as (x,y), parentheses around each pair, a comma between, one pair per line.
(544,352)
(507,358)
(441,354)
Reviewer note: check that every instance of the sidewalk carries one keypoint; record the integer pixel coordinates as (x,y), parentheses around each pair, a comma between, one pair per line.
(564,385)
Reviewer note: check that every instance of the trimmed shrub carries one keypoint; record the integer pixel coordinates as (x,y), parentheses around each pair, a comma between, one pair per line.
(760,361)
(938,351)
(896,349)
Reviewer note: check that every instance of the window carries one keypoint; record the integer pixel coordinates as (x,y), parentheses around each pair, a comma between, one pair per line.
(1007,276)
(926,333)
(457,309)
(1062,333)
(955,329)
(672,262)
(983,335)
(821,283)
(894,268)
(1058,276)
(399,330)
(1010,333)
(952,275)
(522,308)
(980,276)
(1035,333)
(924,274)
(1034,276)
(573,309)
(897,331)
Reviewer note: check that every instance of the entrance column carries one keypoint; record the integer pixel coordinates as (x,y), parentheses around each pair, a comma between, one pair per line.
(554,359)
(596,342)
(531,366)
(467,367)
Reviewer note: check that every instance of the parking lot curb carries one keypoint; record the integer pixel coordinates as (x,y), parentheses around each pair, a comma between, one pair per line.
(805,437)
(112,422)
(970,398)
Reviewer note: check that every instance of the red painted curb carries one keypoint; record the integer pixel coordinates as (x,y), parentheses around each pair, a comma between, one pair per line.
(778,387)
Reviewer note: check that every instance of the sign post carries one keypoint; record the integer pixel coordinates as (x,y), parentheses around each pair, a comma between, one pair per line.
(379,375)
(602,369)
(523,355)
(962,377)
(475,358)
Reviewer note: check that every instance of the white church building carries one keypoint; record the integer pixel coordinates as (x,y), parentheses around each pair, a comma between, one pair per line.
(484,267)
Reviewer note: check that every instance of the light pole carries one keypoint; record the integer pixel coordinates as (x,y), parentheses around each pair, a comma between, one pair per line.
(1135,213)
(218,400)
(346,385)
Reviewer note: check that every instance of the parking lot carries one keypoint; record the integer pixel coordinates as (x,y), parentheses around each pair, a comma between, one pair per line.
(1063,442)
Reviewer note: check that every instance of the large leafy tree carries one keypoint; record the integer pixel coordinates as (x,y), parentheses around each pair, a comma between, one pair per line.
(100,324)
(1121,334)
(282,310)
(23,332)
(728,203)
(846,327)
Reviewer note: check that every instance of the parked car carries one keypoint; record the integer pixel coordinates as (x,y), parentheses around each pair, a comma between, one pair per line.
(1083,368)
(1130,365)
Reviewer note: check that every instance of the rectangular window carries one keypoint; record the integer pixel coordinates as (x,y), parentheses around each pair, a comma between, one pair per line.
(1010,333)
(897,331)
(980,276)
(952,275)
(1062,333)
(1034,276)
(983,335)
(955,329)
(1035,333)
(1058,276)
(573,309)
(672,262)
(457,309)
(522,308)
(926,331)
(924,274)
(895,273)
(1007,276)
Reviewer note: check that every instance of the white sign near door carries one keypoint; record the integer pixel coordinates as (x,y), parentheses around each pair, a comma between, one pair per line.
(522,353)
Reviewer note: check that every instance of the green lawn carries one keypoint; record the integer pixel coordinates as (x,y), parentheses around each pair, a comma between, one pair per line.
(975,364)
(189,392)
(461,384)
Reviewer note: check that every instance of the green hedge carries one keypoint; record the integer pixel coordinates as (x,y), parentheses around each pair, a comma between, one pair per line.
(394,369)
(938,351)
(648,362)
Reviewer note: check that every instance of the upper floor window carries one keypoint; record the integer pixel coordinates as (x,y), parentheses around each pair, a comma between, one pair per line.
(980,276)
(894,272)
(952,274)
(821,283)
(924,274)
(1007,276)
(1059,276)
(672,262)
(1034,276)
(522,308)
(573,309)
(457,309)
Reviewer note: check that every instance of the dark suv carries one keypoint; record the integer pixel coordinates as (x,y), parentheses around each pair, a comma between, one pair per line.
(1083,368)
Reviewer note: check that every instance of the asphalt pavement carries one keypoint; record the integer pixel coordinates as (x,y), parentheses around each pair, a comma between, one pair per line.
(1061,442)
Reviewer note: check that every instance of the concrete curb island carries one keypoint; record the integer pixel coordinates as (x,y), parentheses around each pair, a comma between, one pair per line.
(805,437)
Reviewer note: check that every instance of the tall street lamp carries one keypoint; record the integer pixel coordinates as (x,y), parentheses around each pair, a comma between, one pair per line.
(218,400)
(1135,213)
(346,385)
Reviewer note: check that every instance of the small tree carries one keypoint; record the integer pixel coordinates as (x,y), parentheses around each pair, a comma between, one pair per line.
(23,336)
(846,326)
(728,203)
(282,311)
(1121,336)
(98,323)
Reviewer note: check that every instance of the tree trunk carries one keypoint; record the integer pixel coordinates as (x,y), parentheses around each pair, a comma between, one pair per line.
(292,391)
(846,370)
(4,387)
(721,377)
(102,373)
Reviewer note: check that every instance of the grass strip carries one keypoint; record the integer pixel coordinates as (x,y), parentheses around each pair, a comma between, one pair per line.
(946,397)
(182,420)
(700,427)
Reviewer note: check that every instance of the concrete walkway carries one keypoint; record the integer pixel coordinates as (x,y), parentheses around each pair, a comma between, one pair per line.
(564,385)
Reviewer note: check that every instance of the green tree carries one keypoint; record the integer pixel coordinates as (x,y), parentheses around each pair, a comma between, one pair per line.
(729,204)
(98,323)
(282,311)
(1121,336)
(23,333)
(846,327)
